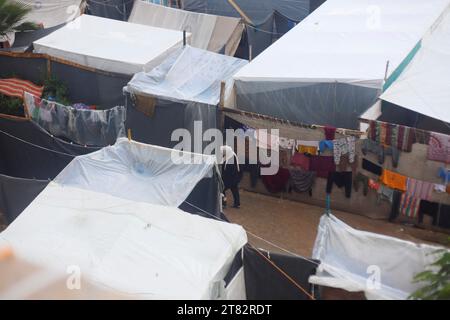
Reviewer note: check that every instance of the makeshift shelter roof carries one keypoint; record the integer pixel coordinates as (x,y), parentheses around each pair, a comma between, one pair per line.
(110,45)
(113,214)
(209,32)
(424,86)
(50,13)
(347,41)
(188,75)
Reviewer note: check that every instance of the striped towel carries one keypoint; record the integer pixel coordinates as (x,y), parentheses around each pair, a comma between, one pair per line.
(409,206)
(419,189)
(15,88)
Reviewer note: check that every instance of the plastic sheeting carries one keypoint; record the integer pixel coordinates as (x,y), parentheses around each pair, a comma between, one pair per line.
(381,266)
(423,86)
(50,13)
(110,45)
(209,32)
(85,127)
(188,75)
(28,151)
(138,172)
(133,247)
(256,10)
(111,9)
(16,194)
(341,47)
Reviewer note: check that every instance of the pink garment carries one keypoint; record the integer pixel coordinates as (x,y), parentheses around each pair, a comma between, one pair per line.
(300,160)
(439,147)
(419,189)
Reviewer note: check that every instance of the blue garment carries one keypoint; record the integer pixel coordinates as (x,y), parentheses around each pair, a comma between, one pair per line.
(444,174)
(325,144)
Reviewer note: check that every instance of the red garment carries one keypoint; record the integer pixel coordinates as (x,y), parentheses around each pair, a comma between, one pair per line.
(277,182)
(300,160)
(329,132)
(322,165)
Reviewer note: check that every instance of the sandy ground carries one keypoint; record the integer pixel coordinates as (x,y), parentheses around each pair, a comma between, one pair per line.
(293,225)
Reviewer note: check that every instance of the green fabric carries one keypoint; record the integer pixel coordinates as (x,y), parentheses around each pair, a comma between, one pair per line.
(394,76)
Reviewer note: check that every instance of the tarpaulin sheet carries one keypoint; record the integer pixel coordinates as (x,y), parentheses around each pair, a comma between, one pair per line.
(50,13)
(28,151)
(381,266)
(17,193)
(209,32)
(85,127)
(137,248)
(148,173)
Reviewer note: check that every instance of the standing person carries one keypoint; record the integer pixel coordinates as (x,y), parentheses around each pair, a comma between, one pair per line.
(231,174)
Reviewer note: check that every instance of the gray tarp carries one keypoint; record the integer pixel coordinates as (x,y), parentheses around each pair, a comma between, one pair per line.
(336,104)
(85,127)
(112,9)
(16,194)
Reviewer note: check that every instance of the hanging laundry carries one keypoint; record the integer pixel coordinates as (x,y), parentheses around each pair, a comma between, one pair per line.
(405,138)
(287,143)
(394,180)
(345,163)
(329,132)
(374,185)
(13,87)
(444,174)
(440,188)
(380,151)
(343,146)
(419,189)
(439,147)
(361,179)
(395,208)
(341,179)
(422,136)
(372,167)
(300,160)
(301,180)
(305,146)
(325,144)
(439,212)
(385,193)
(409,206)
(277,182)
(322,165)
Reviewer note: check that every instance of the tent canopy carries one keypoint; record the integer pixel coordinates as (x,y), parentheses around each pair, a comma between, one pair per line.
(423,86)
(188,75)
(113,214)
(209,32)
(110,45)
(347,41)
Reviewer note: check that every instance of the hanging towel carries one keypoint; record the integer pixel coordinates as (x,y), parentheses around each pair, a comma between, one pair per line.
(372,167)
(439,147)
(409,206)
(277,182)
(300,160)
(419,189)
(301,180)
(322,165)
(394,180)
(13,87)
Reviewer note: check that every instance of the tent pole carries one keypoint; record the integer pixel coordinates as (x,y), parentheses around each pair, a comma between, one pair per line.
(240,11)
(222,106)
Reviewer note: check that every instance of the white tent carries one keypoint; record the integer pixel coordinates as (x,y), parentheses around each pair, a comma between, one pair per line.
(331,67)
(424,85)
(209,32)
(383,267)
(110,45)
(113,214)
(50,13)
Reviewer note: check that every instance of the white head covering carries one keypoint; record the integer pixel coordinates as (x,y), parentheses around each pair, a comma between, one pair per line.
(228,154)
